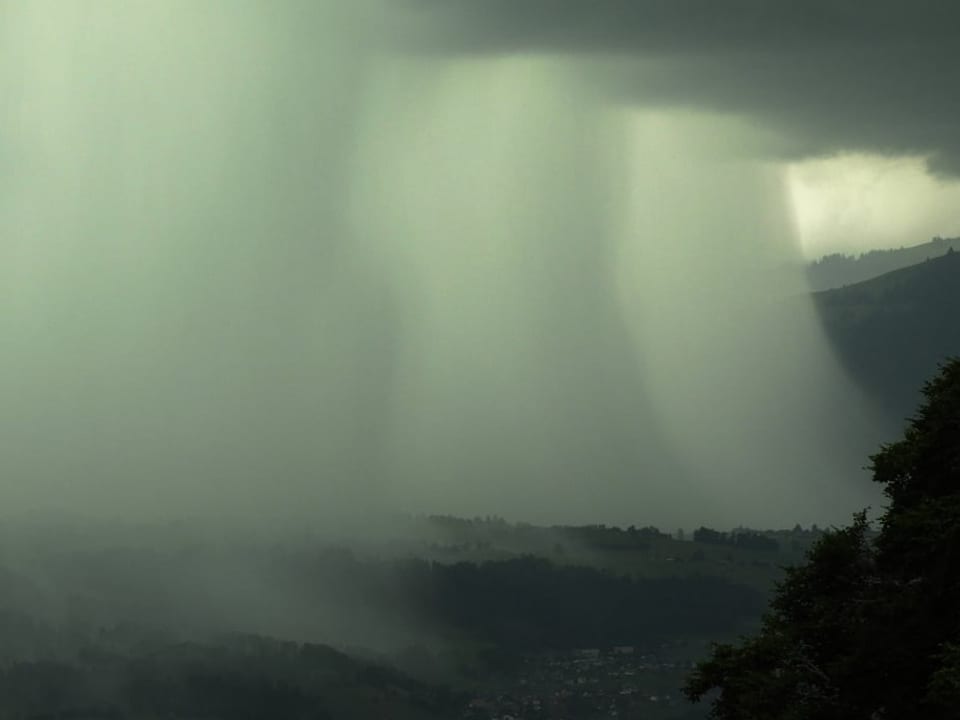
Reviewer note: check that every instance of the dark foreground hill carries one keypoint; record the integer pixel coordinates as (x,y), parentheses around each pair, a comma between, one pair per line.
(891,332)
(126,674)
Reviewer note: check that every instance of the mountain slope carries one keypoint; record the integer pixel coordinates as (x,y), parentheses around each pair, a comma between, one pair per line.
(891,332)
(835,271)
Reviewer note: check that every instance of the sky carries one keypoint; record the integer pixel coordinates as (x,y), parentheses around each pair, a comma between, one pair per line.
(853,99)
(330,258)
(856,202)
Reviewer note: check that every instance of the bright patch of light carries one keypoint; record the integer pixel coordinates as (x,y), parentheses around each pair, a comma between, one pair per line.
(854,203)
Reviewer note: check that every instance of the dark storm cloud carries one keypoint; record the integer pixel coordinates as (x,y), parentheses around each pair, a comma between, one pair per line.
(863,76)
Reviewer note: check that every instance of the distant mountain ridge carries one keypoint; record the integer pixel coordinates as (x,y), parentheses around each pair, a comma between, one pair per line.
(838,270)
(892,331)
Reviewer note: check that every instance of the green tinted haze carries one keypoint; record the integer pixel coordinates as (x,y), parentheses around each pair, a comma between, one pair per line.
(268,260)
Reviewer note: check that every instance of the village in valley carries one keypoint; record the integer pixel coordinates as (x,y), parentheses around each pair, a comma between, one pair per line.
(620,682)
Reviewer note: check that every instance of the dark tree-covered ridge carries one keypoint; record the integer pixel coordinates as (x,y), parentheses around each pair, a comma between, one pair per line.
(869,626)
(892,332)
(838,270)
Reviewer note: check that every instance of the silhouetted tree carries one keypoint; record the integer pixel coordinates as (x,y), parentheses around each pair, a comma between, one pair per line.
(868,627)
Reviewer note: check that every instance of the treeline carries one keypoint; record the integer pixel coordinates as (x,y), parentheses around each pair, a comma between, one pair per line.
(493,524)
(452,534)
(745,540)
(838,269)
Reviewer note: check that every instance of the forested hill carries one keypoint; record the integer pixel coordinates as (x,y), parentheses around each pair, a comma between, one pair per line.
(838,270)
(125,672)
(891,332)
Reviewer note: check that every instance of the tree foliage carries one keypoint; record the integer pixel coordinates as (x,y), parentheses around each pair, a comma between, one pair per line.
(869,626)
